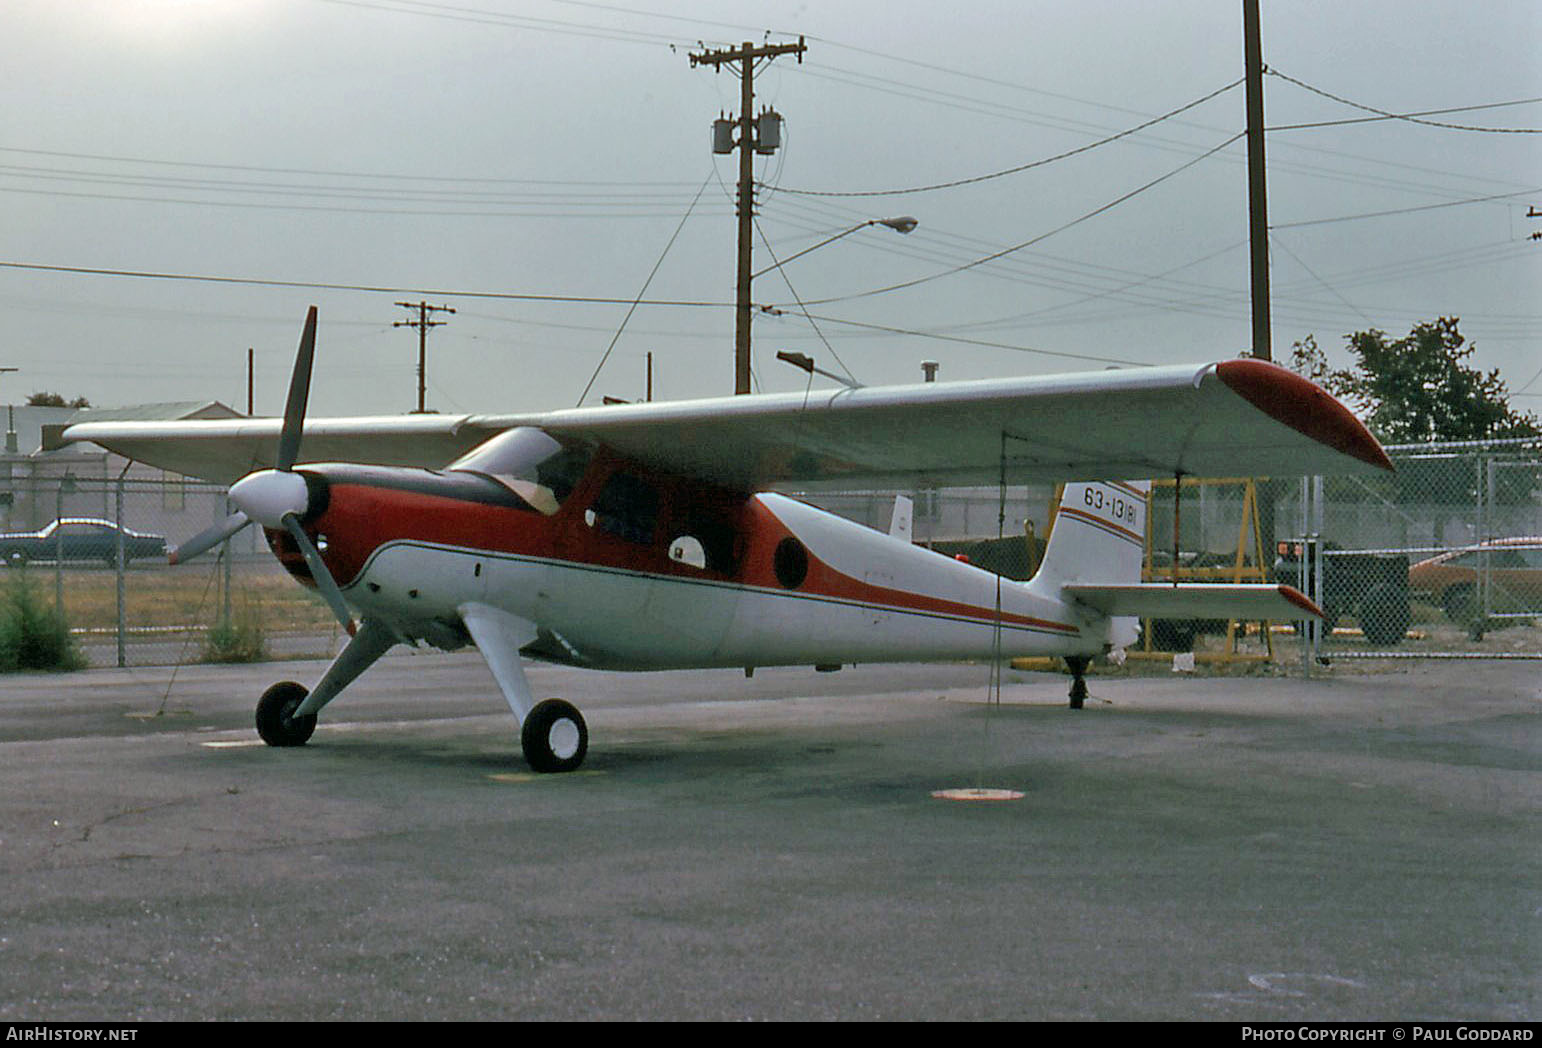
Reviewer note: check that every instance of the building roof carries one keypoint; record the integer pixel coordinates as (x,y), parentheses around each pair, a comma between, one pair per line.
(33,423)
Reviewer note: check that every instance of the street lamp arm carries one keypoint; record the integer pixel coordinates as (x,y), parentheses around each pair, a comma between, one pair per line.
(900,224)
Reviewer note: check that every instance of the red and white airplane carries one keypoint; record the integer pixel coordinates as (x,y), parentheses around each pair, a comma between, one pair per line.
(645,536)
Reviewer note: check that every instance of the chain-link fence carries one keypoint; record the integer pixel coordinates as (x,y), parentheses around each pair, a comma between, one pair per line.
(96,547)
(1442,558)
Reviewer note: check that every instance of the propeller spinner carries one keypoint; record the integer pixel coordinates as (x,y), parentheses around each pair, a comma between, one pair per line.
(279,497)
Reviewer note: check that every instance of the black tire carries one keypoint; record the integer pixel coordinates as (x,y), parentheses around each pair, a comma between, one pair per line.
(555,737)
(1384,615)
(276,722)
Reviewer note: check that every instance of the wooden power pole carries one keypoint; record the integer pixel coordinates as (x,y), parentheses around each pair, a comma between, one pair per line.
(1258,198)
(1258,229)
(422,323)
(749,143)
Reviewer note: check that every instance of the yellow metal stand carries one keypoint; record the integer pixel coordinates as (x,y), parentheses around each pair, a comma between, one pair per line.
(1240,571)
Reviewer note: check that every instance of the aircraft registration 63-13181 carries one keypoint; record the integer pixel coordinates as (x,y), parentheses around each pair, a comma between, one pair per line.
(647,536)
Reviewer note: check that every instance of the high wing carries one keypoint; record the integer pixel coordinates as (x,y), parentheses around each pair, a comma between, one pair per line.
(1198,420)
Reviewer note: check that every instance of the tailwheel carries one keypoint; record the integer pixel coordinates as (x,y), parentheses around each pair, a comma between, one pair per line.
(554,737)
(1078,664)
(276,722)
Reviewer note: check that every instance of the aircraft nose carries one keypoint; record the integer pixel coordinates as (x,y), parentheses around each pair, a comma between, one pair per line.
(268,495)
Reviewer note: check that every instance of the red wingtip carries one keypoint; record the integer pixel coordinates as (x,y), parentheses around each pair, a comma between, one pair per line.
(1301,600)
(1303,406)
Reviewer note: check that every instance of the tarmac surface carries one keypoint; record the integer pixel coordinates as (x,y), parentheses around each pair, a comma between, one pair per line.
(1361,846)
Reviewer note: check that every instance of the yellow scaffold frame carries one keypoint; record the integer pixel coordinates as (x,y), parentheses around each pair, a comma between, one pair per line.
(1240,571)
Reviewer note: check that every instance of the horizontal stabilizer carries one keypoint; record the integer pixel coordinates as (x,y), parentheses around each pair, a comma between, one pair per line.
(1199,600)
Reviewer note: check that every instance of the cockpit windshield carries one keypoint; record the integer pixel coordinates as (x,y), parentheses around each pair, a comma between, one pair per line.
(537,467)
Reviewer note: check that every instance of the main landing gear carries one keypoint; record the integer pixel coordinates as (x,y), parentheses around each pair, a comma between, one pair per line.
(554,736)
(1078,664)
(276,720)
(552,732)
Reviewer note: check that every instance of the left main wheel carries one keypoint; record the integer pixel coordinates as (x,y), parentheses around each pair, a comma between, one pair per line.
(276,722)
(554,737)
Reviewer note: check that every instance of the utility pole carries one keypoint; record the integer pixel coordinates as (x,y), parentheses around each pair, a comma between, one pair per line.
(1258,240)
(1258,200)
(422,323)
(765,141)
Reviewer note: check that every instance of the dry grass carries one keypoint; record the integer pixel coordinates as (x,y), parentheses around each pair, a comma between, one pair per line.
(160,597)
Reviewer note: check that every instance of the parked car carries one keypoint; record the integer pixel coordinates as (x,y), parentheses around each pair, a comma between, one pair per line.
(1454,580)
(79,538)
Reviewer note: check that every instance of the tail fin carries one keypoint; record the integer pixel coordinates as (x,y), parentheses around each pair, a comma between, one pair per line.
(1099,535)
(1095,553)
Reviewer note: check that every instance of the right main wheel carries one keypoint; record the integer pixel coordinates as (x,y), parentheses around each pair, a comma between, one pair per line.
(554,737)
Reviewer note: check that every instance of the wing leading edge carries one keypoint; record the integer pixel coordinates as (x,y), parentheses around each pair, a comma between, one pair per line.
(1236,416)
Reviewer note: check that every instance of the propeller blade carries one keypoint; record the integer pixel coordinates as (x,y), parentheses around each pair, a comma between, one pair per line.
(299,393)
(208,538)
(319,572)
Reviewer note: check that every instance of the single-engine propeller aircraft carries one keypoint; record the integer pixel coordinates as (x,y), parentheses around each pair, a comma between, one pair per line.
(646,536)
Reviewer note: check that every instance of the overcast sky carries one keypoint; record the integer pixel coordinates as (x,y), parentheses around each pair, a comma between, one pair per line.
(498,156)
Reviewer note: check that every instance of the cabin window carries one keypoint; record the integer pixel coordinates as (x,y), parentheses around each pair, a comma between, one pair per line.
(628,507)
(790,562)
(688,550)
(537,467)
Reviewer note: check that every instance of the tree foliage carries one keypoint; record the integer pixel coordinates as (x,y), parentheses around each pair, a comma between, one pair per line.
(43,399)
(1417,389)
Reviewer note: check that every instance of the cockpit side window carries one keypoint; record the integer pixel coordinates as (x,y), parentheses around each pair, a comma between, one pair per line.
(537,467)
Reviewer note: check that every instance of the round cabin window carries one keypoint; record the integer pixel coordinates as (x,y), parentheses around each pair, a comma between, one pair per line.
(790,562)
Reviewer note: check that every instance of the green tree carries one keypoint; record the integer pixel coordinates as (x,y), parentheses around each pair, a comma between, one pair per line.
(54,400)
(1418,388)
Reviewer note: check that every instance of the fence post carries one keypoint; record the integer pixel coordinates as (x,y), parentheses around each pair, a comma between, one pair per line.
(122,599)
(225,555)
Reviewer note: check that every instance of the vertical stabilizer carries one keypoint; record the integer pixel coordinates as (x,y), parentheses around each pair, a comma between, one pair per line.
(1099,535)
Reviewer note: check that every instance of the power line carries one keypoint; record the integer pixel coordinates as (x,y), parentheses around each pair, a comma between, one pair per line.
(481,16)
(1403,210)
(1404,116)
(965,341)
(513,296)
(1410,118)
(1041,237)
(1020,167)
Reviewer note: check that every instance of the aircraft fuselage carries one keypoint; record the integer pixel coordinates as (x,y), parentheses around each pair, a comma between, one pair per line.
(634,570)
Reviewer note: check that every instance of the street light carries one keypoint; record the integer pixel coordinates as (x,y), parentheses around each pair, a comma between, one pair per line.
(806,363)
(900,224)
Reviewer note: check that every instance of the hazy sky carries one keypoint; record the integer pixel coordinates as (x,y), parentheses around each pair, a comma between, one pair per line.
(471,149)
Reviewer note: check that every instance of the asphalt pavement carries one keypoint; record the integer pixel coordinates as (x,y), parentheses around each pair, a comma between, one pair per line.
(1363,845)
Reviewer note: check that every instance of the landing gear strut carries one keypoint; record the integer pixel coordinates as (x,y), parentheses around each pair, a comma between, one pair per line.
(1078,664)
